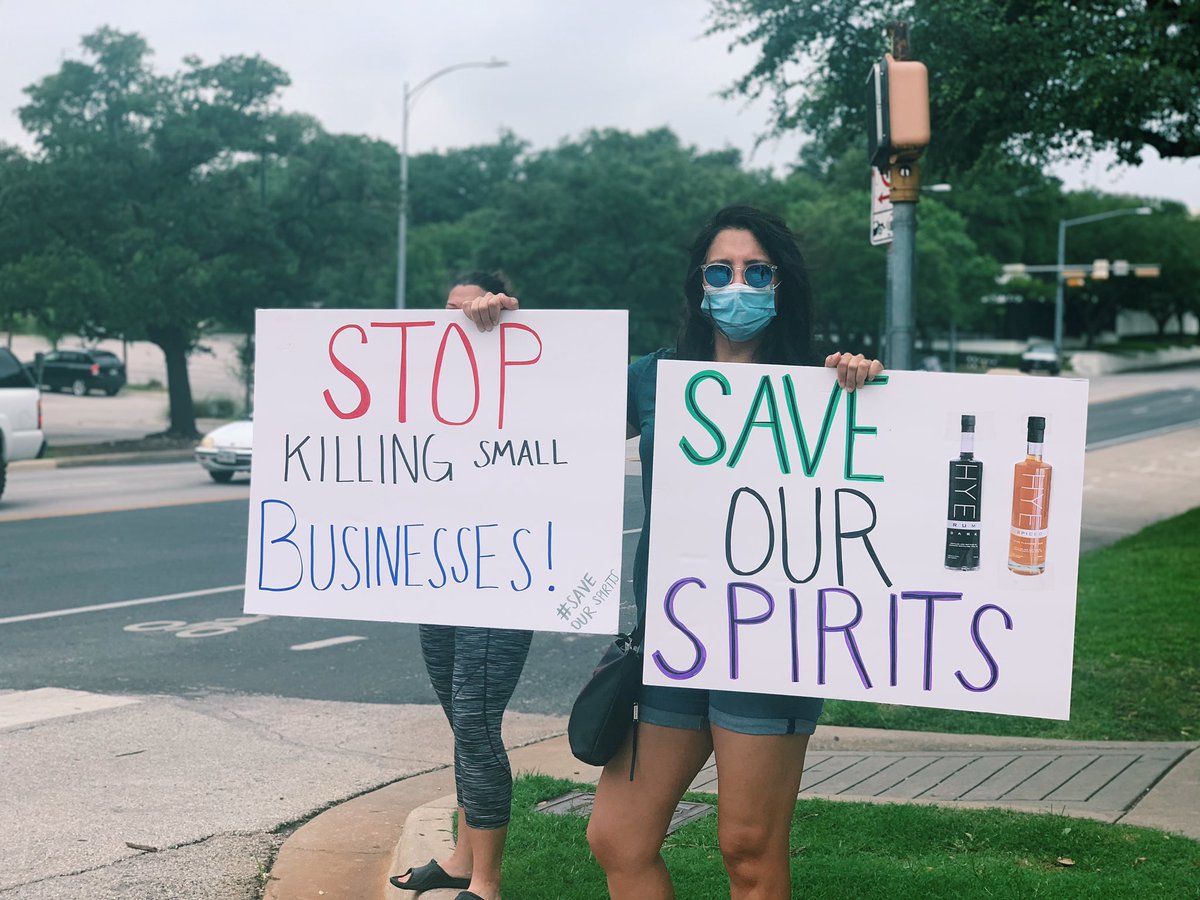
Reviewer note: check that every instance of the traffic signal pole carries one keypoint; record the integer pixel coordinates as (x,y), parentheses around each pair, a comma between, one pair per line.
(897,133)
(906,186)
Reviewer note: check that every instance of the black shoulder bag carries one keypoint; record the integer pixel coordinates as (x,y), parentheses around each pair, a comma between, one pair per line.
(606,708)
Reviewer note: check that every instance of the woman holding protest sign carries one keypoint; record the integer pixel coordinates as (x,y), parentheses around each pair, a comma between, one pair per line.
(746,301)
(474,672)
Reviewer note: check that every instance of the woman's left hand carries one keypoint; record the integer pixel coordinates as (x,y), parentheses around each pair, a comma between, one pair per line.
(853,369)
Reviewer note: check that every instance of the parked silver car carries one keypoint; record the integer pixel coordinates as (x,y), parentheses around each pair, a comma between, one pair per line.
(225,451)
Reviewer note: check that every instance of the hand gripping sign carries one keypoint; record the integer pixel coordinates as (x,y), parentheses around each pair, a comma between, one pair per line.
(410,468)
(914,542)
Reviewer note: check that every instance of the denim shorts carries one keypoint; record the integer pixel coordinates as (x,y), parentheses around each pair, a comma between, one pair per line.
(737,711)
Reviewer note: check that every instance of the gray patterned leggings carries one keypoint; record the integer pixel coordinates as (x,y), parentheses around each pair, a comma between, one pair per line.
(474,672)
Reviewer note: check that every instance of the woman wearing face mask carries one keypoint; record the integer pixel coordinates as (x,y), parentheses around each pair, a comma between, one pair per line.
(747,300)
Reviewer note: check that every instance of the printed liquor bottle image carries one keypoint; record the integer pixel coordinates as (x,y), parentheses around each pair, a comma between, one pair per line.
(963,510)
(1030,506)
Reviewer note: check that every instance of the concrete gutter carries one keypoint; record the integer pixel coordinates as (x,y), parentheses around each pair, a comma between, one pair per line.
(128,458)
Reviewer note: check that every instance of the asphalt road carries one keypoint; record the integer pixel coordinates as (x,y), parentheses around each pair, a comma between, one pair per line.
(1129,417)
(91,601)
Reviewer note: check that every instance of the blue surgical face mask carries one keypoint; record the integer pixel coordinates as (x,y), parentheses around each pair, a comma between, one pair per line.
(740,312)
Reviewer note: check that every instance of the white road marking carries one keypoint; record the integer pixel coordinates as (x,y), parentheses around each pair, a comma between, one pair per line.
(120,604)
(329,642)
(27,707)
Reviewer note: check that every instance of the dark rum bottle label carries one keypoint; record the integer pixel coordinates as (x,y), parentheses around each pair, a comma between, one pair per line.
(962,516)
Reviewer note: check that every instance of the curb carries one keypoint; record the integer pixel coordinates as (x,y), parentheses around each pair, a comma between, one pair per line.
(428,834)
(144,457)
(348,851)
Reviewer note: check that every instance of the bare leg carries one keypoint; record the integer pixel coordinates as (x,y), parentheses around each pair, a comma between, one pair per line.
(459,863)
(487,849)
(758,778)
(630,818)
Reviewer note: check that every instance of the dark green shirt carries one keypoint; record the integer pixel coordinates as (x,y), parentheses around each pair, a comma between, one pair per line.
(640,403)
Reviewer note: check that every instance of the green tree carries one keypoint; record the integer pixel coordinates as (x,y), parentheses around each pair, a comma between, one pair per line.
(139,170)
(1040,78)
(444,187)
(1169,237)
(605,222)
(829,213)
(1174,239)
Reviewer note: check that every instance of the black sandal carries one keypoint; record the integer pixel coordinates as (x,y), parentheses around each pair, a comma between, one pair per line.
(428,877)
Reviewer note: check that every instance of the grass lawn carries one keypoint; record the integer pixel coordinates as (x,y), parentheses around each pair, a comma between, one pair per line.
(1137,672)
(862,851)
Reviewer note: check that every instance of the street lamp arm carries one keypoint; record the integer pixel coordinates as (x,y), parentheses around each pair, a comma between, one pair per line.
(1111,214)
(410,96)
(1063,225)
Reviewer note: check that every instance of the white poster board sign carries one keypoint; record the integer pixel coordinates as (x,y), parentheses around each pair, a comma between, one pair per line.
(411,468)
(810,542)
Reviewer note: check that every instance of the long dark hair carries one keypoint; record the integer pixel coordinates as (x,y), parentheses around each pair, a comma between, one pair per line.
(786,340)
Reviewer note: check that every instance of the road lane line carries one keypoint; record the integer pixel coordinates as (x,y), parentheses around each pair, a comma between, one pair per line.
(328,642)
(17,516)
(120,604)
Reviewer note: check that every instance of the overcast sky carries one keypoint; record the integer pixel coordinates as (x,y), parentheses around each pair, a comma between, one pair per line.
(573,65)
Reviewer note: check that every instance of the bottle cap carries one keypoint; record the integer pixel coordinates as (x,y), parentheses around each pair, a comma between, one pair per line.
(968,423)
(1037,429)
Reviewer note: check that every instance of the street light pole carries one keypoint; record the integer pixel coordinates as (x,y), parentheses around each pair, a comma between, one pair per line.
(1063,225)
(410,99)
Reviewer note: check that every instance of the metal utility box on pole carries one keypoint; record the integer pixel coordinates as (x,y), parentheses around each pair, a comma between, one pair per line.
(898,132)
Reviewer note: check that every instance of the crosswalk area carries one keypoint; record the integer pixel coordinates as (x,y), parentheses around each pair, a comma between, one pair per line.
(21,708)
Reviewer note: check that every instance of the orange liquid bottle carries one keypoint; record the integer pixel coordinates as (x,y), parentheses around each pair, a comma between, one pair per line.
(1030,506)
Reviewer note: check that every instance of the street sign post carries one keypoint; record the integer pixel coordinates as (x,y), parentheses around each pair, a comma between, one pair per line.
(881,208)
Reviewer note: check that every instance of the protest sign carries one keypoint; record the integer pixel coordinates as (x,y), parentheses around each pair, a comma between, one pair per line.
(411,468)
(914,542)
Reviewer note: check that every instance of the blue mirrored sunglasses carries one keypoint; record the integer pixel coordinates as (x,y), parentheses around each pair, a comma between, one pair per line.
(757,275)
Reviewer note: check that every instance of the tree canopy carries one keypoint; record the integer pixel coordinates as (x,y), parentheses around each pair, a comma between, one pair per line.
(163,207)
(1041,79)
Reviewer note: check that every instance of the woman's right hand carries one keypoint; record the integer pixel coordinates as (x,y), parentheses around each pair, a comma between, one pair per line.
(485,311)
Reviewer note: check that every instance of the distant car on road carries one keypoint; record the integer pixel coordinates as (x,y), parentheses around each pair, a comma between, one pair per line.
(81,371)
(225,451)
(1041,356)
